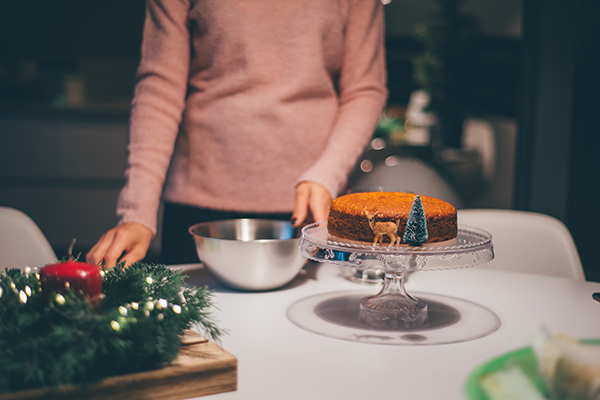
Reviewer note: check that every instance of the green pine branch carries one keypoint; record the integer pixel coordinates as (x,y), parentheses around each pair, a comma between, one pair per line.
(60,339)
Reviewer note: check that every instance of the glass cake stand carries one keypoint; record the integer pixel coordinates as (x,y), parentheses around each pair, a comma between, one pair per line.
(393,309)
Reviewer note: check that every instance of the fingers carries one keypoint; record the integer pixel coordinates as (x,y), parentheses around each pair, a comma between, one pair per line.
(128,242)
(313,199)
(97,252)
(136,254)
(319,204)
(301,205)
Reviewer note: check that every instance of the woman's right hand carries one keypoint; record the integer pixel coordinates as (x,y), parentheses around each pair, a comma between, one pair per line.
(128,242)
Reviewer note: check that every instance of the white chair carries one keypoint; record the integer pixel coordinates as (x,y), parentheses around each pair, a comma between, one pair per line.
(527,241)
(22,243)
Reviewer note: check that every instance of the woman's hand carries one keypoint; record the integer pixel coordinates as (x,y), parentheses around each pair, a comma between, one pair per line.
(129,242)
(312,203)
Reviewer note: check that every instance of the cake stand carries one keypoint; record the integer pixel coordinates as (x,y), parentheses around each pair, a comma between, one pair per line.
(393,309)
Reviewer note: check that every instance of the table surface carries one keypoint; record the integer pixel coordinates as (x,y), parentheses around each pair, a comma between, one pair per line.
(279,360)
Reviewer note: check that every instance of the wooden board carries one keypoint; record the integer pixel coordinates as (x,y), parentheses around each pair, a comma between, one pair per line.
(201,368)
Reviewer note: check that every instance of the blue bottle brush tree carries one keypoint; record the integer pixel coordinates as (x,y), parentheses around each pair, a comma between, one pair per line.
(416,224)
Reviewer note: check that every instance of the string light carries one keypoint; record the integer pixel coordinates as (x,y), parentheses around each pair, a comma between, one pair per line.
(122,311)
(23,297)
(163,303)
(60,299)
(176,309)
(115,325)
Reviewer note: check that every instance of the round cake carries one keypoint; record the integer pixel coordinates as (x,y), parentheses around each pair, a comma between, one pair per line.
(383,216)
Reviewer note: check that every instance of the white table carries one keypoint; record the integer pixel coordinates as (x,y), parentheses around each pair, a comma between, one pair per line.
(279,360)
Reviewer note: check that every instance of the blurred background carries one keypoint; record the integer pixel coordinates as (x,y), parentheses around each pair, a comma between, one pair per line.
(511,125)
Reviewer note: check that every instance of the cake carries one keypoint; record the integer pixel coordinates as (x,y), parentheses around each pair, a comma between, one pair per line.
(383,216)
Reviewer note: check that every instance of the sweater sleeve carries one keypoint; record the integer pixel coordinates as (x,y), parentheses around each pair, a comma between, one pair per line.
(157,108)
(363,94)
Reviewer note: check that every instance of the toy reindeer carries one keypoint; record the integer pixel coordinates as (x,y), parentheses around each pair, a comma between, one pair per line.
(383,228)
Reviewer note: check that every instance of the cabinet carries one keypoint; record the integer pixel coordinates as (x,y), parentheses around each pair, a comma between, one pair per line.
(65,168)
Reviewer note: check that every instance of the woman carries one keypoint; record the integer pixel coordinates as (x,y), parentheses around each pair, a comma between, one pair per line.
(245,108)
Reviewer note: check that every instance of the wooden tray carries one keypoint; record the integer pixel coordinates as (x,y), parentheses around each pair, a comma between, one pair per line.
(201,368)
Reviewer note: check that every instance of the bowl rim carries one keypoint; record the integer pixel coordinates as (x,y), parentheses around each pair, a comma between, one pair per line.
(295,238)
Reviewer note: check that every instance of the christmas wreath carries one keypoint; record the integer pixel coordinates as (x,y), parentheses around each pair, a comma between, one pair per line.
(54,339)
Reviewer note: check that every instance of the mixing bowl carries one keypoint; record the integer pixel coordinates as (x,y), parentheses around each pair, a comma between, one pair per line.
(249,254)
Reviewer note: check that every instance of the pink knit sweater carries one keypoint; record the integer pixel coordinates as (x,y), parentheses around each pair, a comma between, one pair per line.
(238,101)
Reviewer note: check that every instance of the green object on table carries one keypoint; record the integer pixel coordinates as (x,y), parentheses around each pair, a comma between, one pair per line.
(523,357)
(56,339)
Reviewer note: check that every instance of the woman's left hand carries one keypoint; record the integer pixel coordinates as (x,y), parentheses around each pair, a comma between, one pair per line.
(312,203)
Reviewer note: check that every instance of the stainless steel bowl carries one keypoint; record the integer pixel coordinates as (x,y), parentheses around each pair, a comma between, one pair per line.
(249,254)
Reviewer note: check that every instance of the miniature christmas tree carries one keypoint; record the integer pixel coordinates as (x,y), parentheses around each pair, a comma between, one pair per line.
(416,225)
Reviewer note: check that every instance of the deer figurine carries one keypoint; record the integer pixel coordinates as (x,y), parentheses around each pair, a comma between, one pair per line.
(383,228)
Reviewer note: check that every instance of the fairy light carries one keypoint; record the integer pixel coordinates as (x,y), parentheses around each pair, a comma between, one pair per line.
(149,280)
(163,303)
(134,305)
(1,291)
(28,291)
(115,325)
(60,299)
(160,317)
(176,308)
(149,306)
(122,311)
(23,297)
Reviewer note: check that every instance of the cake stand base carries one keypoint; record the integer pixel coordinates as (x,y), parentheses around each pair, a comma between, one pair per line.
(451,320)
(392,313)
(393,308)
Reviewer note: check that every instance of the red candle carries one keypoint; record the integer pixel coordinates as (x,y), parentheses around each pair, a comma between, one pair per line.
(84,279)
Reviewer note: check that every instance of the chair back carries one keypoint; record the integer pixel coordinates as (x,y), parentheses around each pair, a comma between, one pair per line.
(22,243)
(527,242)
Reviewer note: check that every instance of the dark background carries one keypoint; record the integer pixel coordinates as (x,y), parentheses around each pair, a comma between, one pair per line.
(543,74)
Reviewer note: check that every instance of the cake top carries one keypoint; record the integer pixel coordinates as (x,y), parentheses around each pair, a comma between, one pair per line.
(390,205)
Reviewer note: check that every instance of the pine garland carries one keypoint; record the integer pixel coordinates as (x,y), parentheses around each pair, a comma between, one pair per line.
(63,340)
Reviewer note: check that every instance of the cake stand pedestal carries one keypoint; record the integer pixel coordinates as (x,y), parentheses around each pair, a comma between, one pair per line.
(393,308)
